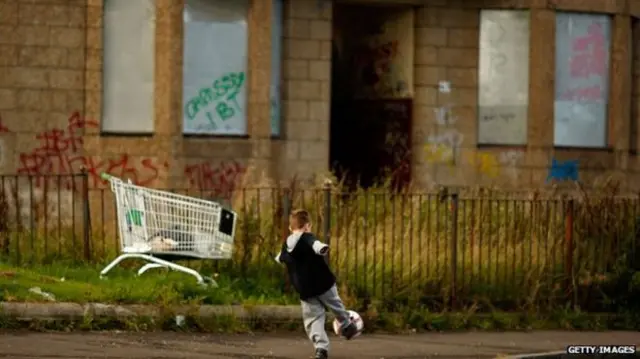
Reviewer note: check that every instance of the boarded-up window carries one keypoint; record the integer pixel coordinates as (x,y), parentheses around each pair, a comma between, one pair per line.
(128,66)
(215,65)
(503,77)
(276,66)
(582,79)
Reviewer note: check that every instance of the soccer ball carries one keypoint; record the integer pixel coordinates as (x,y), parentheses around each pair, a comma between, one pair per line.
(355,318)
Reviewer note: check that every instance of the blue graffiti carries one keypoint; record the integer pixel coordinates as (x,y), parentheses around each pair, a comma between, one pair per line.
(563,171)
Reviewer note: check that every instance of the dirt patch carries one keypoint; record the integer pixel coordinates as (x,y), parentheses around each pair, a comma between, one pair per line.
(7,274)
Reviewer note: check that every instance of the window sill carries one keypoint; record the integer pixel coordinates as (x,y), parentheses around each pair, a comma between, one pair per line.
(497,145)
(220,136)
(584,149)
(126,134)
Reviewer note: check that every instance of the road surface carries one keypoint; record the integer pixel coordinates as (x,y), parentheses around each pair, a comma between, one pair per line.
(121,345)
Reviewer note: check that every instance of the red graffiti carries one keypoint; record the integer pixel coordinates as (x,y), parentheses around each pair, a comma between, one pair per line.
(3,128)
(58,153)
(142,173)
(221,179)
(589,54)
(374,62)
(384,52)
(588,59)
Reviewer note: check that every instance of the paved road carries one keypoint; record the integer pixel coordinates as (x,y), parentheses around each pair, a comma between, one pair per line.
(114,345)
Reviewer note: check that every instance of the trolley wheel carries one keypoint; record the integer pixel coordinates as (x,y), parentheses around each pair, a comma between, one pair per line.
(208,281)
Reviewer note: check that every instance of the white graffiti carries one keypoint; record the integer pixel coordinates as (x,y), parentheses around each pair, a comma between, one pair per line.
(444,116)
(443,147)
(510,158)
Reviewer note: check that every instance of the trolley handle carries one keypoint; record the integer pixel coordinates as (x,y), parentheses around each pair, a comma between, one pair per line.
(106,176)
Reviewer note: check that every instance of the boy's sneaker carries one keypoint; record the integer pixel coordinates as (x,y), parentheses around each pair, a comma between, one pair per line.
(321,354)
(349,331)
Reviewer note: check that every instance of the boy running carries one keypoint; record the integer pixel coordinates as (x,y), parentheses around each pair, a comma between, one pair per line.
(304,256)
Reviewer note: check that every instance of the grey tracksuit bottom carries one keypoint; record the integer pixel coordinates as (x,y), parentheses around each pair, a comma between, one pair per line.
(313,315)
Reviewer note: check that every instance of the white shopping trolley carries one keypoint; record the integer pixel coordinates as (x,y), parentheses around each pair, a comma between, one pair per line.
(161,227)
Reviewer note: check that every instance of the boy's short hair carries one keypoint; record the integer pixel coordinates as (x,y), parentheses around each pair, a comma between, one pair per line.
(299,218)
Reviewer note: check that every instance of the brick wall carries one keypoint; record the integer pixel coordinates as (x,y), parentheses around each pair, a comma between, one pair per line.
(42,72)
(306,88)
(42,82)
(447,50)
(51,73)
(50,70)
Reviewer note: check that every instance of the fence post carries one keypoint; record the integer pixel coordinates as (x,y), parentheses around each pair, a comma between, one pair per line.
(86,215)
(286,209)
(454,249)
(326,223)
(569,245)
(4,217)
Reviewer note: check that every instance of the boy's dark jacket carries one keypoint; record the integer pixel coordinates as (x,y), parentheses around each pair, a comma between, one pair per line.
(308,271)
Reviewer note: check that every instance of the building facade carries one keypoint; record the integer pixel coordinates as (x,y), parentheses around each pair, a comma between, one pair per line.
(215,94)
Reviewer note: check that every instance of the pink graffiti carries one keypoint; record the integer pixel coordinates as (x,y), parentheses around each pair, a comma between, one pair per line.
(222,179)
(591,93)
(588,59)
(589,54)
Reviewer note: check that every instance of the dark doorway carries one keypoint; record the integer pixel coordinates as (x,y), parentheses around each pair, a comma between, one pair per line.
(371,107)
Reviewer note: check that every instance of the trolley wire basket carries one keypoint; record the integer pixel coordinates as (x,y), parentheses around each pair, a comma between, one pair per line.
(161,227)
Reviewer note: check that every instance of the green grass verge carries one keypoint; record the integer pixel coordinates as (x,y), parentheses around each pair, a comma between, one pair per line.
(407,322)
(164,289)
(81,284)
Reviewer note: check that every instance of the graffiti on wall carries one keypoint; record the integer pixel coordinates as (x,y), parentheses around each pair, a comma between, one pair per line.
(213,106)
(510,160)
(375,63)
(3,128)
(59,152)
(588,58)
(221,179)
(583,44)
(492,165)
(443,146)
(561,171)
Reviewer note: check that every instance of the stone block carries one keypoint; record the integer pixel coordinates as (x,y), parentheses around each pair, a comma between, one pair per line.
(303,49)
(66,79)
(320,30)
(431,36)
(295,69)
(303,90)
(319,70)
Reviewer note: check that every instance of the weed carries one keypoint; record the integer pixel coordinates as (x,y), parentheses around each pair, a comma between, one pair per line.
(485,249)
(408,321)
